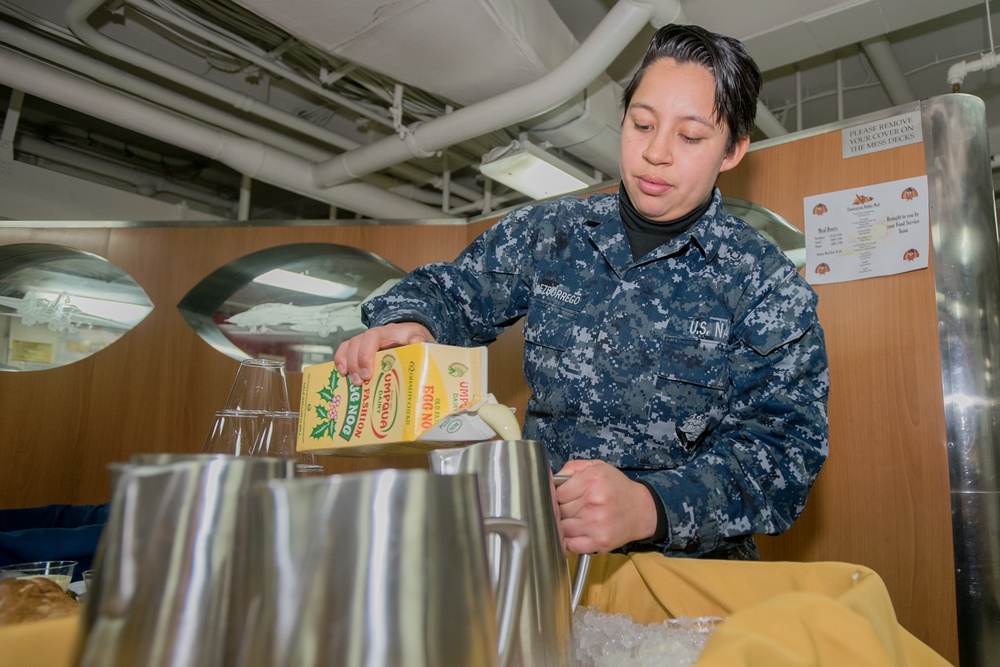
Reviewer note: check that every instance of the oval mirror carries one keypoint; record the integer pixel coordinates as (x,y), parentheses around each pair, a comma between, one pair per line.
(59,305)
(295,302)
(783,233)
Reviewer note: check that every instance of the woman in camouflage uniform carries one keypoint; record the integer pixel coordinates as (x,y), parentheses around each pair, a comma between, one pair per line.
(677,367)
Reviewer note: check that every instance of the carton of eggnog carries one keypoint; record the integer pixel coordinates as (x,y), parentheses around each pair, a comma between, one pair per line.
(421,396)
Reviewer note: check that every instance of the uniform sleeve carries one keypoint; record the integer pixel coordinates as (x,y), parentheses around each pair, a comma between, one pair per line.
(469,301)
(761,461)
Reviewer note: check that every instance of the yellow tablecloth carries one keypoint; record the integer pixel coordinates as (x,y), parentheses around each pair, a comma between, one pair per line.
(778,614)
(39,644)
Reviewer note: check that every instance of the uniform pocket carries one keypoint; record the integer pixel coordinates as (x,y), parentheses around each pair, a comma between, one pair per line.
(550,326)
(690,399)
(548,334)
(695,361)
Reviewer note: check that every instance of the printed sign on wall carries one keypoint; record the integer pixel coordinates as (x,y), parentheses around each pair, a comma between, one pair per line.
(882,134)
(875,230)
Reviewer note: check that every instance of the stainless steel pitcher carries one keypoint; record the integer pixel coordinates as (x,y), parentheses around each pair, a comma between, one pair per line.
(377,568)
(165,590)
(515,480)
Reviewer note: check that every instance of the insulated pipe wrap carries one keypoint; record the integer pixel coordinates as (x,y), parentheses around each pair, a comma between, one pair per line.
(622,23)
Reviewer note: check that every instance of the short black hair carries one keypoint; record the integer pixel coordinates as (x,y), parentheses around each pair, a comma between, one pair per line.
(737,77)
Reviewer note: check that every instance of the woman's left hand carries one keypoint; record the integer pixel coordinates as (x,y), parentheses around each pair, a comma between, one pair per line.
(600,509)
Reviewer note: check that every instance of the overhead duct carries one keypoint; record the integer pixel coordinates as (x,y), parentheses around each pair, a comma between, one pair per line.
(438,46)
(78,14)
(145,183)
(767,123)
(53,52)
(534,63)
(879,52)
(445,47)
(431,45)
(572,75)
(588,127)
(248,157)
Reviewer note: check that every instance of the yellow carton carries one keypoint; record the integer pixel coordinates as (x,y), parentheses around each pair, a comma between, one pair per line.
(414,402)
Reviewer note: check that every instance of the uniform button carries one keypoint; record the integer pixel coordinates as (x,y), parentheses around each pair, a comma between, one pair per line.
(692,546)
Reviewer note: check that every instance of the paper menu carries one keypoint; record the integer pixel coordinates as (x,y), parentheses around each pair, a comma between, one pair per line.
(869,231)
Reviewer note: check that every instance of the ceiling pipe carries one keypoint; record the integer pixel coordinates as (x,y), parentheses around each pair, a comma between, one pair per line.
(247,156)
(887,68)
(48,50)
(243,209)
(767,122)
(879,53)
(840,89)
(10,122)
(798,100)
(145,183)
(210,178)
(264,62)
(958,71)
(184,204)
(589,129)
(78,14)
(621,24)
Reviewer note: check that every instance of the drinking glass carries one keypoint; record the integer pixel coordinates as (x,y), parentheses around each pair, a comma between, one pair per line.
(233,432)
(277,437)
(59,571)
(260,385)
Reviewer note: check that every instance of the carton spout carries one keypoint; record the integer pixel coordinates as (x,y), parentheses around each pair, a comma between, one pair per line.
(500,418)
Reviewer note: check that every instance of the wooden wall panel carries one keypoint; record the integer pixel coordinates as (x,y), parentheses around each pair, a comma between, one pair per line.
(157,388)
(883,498)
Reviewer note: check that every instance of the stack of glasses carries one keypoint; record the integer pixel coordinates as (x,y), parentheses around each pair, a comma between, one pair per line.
(257,419)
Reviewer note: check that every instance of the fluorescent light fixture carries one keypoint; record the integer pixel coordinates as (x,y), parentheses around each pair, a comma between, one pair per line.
(533,171)
(298,282)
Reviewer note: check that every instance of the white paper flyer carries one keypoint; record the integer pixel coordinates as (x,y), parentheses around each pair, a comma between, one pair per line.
(874,230)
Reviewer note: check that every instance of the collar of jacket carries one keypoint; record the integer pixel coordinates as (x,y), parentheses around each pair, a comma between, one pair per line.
(708,235)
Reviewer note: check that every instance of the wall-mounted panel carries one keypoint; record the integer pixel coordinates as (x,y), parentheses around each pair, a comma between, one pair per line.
(883,498)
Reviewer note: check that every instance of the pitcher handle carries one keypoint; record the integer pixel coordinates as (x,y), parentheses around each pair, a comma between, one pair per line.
(580,579)
(582,561)
(515,534)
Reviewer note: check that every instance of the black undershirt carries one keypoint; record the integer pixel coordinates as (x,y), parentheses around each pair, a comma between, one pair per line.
(645,235)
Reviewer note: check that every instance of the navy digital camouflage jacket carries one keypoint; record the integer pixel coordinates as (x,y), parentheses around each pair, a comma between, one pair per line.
(699,369)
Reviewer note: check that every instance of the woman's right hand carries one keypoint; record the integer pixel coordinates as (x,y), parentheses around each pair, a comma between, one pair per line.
(355,356)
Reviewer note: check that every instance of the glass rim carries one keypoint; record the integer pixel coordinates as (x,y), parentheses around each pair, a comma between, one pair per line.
(39,565)
(263,362)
